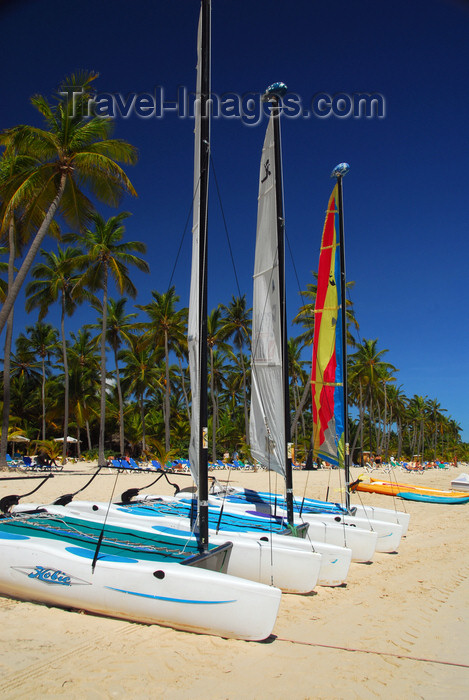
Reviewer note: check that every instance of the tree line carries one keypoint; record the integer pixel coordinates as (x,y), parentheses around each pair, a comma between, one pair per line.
(59,383)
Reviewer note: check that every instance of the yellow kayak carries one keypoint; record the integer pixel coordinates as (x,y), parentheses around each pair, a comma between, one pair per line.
(389,488)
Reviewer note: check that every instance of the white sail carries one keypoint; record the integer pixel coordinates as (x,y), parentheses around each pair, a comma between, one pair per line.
(267,431)
(194,321)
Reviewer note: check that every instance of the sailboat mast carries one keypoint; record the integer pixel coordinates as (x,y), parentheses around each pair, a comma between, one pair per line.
(204,151)
(339,172)
(273,94)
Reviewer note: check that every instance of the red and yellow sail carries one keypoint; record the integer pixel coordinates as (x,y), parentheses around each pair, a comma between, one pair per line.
(327,366)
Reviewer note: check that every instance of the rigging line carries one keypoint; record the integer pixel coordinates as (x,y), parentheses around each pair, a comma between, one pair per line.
(68,497)
(225,224)
(375,651)
(191,208)
(101,535)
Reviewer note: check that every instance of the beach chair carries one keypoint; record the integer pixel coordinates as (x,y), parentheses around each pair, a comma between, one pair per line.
(411,467)
(26,464)
(116,464)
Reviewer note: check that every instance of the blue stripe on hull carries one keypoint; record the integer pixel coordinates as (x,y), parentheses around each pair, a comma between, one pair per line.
(172,600)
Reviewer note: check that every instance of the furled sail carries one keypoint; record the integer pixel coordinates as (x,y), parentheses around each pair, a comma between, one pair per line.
(327,372)
(267,422)
(195,320)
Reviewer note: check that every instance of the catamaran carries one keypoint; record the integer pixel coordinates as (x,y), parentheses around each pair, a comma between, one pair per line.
(270,387)
(52,557)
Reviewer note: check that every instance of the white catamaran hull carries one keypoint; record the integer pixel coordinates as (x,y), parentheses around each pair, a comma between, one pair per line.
(292,569)
(386,515)
(388,530)
(368,512)
(388,534)
(335,559)
(56,573)
(362,542)
(260,557)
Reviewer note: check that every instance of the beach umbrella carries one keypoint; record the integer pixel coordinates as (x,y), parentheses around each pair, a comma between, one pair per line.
(18,438)
(70,440)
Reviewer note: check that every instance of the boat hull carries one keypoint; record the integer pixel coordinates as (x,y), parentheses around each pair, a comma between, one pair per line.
(58,573)
(461,483)
(312,505)
(388,535)
(259,556)
(425,498)
(361,542)
(293,570)
(388,488)
(386,515)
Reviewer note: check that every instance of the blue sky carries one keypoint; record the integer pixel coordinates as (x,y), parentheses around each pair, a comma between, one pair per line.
(405,196)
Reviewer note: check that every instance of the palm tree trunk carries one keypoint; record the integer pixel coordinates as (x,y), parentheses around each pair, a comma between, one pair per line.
(88,434)
(121,404)
(7,355)
(301,405)
(31,254)
(66,380)
(214,410)
(43,398)
(184,390)
(167,407)
(359,430)
(102,417)
(142,415)
(245,400)
(400,438)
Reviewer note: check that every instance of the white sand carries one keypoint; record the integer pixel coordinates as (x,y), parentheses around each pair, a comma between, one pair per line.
(394,631)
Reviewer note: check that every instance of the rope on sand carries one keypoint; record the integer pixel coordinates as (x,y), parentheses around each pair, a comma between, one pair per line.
(373,651)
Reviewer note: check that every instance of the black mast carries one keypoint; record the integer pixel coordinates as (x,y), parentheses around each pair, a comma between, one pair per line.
(204,150)
(273,94)
(339,172)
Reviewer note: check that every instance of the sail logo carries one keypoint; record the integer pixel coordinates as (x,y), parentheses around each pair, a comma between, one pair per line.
(50,576)
(266,170)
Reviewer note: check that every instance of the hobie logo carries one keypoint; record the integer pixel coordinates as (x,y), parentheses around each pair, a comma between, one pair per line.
(50,576)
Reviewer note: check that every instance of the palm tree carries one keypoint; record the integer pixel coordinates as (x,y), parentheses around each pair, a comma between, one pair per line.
(84,368)
(366,369)
(141,374)
(24,373)
(120,327)
(216,335)
(435,410)
(16,234)
(7,351)
(237,326)
(43,341)
(167,329)
(297,374)
(55,279)
(398,407)
(107,256)
(71,151)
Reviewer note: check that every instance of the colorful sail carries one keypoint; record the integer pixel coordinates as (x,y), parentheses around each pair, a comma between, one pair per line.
(267,432)
(327,373)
